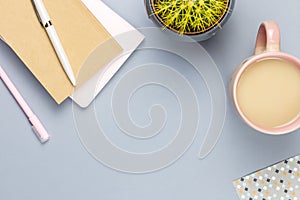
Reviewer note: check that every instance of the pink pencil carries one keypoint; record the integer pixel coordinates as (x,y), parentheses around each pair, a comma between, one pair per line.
(34,121)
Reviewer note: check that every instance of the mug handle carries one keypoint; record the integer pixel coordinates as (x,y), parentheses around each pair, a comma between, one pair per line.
(268,38)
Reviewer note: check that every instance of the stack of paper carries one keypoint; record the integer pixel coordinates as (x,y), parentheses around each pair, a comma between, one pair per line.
(88,44)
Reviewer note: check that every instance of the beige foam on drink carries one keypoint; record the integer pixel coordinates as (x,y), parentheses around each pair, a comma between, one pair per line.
(268,93)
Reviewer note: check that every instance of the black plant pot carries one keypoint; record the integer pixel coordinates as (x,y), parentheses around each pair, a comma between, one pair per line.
(198,36)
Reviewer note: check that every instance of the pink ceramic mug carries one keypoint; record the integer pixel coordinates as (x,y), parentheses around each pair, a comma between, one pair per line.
(267,48)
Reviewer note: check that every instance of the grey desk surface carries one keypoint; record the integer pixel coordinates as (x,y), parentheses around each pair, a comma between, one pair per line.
(63,169)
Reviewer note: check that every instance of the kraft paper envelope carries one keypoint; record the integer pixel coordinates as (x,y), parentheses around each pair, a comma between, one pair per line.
(86,42)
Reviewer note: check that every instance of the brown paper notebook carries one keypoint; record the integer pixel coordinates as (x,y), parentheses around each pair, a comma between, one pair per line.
(87,44)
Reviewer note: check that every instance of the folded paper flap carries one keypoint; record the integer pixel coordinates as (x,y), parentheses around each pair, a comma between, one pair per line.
(79,31)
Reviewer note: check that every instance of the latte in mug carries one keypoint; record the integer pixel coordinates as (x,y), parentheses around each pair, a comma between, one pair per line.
(268,92)
(265,88)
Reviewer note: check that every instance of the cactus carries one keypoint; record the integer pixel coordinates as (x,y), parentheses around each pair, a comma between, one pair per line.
(190,16)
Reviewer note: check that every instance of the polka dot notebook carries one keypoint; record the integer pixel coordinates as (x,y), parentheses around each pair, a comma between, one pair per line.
(278,182)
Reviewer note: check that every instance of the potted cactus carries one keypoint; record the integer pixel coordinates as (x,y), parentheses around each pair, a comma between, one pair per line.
(199,19)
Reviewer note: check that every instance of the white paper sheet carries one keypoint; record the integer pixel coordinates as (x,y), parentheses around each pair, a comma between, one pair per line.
(126,35)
